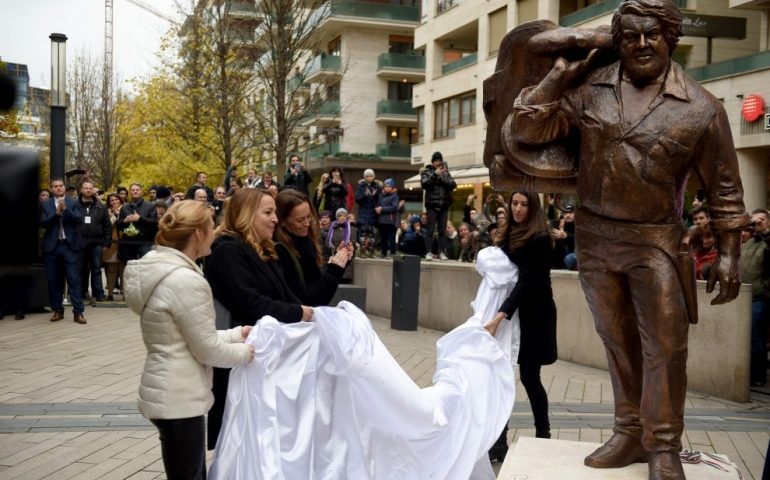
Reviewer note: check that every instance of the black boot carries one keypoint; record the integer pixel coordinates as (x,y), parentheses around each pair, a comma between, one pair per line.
(543,432)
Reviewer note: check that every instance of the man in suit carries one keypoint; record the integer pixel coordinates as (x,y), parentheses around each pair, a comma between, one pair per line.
(61,218)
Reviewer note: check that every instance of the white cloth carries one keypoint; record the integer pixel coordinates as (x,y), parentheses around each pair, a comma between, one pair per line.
(326,400)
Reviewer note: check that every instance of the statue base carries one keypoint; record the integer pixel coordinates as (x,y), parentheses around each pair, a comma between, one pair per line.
(541,459)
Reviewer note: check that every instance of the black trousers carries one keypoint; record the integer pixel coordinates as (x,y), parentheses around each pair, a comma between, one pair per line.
(538,401)
(182,444)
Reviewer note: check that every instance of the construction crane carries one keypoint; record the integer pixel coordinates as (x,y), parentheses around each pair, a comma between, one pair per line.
(108,29)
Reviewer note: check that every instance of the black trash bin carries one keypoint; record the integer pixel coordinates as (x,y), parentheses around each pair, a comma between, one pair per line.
(406,292)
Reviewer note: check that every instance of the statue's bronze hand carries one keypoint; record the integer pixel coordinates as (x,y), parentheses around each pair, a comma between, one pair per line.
(726,270)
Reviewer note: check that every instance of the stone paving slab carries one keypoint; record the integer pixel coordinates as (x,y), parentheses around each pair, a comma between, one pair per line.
(68,401)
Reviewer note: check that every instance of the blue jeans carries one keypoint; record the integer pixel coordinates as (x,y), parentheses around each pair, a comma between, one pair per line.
(63,258)
(91,265)
(760,308)
(570,261)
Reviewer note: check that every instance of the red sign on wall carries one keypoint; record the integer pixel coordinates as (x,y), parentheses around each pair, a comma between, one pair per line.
(753,108)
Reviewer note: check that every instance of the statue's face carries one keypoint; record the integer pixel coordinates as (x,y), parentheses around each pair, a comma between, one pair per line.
(643,48)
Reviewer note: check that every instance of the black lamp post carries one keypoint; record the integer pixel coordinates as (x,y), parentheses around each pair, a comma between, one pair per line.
(58,103)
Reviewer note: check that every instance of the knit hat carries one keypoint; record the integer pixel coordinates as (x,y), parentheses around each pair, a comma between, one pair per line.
(390,183)
(368,172)
(436,156)
(325,213)
(341,211)
(414,219)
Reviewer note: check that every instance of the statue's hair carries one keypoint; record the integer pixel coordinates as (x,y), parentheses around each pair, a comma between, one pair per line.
(664,10)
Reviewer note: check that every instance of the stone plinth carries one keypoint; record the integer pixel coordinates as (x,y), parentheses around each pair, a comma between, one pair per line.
(541,459)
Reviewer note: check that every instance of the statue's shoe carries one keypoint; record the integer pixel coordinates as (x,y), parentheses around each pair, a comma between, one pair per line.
(665,466)
(619,451)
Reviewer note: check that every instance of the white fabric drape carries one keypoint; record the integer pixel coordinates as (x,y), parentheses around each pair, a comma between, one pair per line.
(326,400)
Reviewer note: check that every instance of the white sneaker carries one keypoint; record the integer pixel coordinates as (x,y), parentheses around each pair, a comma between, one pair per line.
(442,256)
(428,256)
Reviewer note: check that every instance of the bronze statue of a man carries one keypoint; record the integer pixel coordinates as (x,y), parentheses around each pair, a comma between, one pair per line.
(642,125)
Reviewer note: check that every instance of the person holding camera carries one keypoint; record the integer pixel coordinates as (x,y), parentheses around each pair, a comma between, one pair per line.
(297,177)
(755,270)
(438,184)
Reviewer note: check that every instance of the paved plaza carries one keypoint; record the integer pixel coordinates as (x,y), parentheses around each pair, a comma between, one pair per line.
(68,401)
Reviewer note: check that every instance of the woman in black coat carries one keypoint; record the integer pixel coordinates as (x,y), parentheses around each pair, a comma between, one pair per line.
(246,278)
(298,245)
(526,240)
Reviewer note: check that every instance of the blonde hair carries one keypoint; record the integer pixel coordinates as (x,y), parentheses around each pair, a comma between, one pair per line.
(238,221)
(179,223)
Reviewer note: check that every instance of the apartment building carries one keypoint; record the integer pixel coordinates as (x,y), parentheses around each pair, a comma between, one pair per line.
(366,62)
(725,48)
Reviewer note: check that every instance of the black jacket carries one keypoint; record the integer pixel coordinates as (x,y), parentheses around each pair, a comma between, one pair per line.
(438,188)
(533,298)
(147,223)
(300,181)
(313,285)
(249,288)
(96,226)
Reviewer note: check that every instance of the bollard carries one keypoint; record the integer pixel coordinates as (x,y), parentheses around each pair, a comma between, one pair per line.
(406,292)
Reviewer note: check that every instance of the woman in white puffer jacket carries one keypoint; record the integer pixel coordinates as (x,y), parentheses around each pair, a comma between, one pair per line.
(168,290)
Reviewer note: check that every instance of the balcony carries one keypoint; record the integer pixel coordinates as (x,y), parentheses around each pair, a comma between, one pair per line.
(338,14)
(324,68)
(243,10)
(327,114)
(458,64)
(597,10)
(323,150)
(444,5)
(400,111)
(296,82)
(401,65)
(729,68)
(378,11)
(394,150)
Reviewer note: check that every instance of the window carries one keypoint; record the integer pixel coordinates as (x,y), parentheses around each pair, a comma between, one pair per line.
(401,91)
(451,113)
(420,125)
(333,48)
(497,29)
(527,10)
(400,44)
(333,92)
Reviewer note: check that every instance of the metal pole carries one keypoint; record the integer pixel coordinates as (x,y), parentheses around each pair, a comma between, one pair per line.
(58,129)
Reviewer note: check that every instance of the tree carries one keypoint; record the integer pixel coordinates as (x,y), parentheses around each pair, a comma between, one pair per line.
(94,119)
(288,36)
(9,125)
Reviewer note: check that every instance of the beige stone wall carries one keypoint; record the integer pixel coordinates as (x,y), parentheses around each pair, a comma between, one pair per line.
(718,346)
(361,89)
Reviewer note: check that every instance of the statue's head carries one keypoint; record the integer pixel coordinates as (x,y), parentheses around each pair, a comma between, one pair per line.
(646,33)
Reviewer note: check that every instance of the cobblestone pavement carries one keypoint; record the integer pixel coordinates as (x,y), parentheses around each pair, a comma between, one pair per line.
(68,392)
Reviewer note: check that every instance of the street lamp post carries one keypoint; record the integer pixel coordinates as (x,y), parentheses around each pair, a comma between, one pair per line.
(58,103)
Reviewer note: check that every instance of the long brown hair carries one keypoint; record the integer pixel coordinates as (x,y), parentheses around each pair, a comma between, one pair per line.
(285,203)
(517,234)
(238,221)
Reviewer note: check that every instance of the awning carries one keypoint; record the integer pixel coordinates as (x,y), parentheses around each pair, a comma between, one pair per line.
(460,174)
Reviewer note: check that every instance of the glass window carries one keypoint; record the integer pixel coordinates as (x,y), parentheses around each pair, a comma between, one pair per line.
(497,29)
(454,112)
(420,124)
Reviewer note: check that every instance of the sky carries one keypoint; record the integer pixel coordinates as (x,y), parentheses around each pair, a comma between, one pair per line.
(26,25)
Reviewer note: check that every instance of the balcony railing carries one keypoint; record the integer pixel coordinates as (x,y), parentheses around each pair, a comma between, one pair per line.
(295,82)
(401,61)
(444,5)
(396,107)
(380,11)
(736,66)
(598,9)
(397,150)
(242,8)
(458,64)
(324,150)
(325,63)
